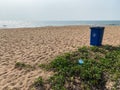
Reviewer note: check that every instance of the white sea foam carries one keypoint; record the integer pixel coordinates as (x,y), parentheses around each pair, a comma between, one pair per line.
(25,24)
(15,24)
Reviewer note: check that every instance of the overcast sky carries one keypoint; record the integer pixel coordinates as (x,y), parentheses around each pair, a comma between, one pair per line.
(59,10)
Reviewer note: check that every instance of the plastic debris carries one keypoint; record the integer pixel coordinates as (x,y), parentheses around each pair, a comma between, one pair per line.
(80,61)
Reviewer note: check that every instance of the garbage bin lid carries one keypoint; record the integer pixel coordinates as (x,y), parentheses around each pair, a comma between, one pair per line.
(96,27)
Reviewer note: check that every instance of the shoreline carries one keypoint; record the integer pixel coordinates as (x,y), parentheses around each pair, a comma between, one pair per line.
(59,26)
(44,27)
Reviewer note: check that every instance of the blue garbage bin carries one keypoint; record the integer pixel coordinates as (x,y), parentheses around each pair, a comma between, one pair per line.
(96,36)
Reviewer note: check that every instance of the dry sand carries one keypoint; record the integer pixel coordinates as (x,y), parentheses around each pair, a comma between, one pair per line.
(40,45)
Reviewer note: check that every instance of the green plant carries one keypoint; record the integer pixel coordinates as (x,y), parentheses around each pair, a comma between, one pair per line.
(83,49)
(21,65)
(43,66)
(98,63)
(38,82)
(59,63)
(57,82)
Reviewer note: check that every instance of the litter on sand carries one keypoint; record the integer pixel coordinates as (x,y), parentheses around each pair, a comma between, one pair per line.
(80,61)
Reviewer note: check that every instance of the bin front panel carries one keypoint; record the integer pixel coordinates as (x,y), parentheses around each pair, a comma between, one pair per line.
(96,36)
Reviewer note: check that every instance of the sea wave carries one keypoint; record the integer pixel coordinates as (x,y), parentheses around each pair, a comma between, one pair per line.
(25,24)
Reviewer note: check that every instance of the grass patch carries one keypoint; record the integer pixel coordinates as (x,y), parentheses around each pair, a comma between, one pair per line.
(100,65)
(38,84)
(21,65)
(57,82)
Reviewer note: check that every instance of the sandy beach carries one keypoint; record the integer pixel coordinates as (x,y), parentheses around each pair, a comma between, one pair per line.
(35,46)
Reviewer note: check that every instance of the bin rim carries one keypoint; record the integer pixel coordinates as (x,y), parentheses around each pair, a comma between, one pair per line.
(98,27)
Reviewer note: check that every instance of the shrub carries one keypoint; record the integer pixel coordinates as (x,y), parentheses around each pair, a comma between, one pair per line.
(21,65)
(57,82)
(98,61)
(38,82)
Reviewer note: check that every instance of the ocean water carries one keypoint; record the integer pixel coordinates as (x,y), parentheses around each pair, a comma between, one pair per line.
(25,24)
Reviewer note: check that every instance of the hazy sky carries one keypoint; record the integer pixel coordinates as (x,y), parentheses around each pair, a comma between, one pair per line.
(59,10)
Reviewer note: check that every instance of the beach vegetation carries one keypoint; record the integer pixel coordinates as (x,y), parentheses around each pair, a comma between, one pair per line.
(101,64)
(38,84)
(22,65)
